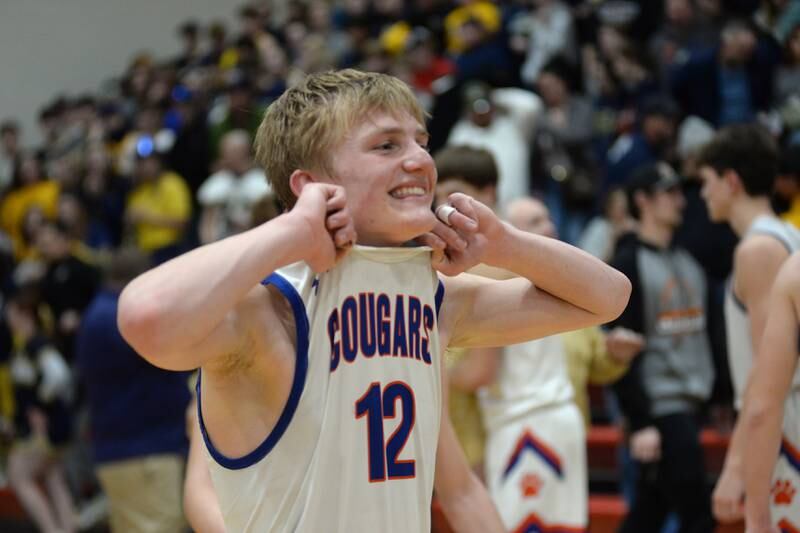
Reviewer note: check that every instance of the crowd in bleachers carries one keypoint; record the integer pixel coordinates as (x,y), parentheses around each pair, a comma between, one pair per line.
(571,98)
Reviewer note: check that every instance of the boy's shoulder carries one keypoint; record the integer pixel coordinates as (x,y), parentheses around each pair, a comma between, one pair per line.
(758,248)
(790,277)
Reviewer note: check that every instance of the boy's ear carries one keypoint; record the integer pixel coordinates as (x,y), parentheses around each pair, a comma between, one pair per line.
(733,180)
(298,180)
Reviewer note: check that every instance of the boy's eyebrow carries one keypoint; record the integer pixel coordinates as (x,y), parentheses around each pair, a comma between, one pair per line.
(395,130)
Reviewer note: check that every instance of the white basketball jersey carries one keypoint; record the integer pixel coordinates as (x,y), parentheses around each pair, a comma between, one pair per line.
(532,374)
(354,448)
(737,320)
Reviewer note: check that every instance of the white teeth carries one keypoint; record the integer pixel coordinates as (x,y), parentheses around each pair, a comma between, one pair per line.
(404,192)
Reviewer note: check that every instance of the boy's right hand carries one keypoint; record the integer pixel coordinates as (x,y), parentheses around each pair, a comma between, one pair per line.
(325,224)
(646,445)
(727,500)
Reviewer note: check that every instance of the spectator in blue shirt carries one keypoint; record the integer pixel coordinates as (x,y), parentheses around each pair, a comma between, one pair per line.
(137,415)
(730,83)
(652,141)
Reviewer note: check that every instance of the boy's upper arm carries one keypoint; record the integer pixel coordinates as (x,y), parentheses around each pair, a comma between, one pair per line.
(777,362)
(480,312)
(234,339)
(756,264)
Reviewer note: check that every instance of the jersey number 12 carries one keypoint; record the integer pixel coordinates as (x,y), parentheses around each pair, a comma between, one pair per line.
(377,406)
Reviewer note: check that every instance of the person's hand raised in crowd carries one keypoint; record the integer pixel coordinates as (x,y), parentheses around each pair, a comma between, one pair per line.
(646,445)
(325,223)
(464,235)
(623,345)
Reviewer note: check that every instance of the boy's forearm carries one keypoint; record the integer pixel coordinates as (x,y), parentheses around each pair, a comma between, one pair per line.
(563,271)
(179,303)
(763,427)
(734,456)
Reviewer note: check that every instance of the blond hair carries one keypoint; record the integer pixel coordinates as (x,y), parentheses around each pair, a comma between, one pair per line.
(302,127)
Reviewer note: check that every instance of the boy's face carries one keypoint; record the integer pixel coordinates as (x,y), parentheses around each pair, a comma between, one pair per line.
(666,207)
(716,192)
(389,178)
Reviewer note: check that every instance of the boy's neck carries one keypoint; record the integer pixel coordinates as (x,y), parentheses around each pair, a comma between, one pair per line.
(746,210)
(658,235)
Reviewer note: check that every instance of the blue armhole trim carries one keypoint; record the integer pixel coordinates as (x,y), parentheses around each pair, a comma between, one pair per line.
(439,297)
(738,302)
(778,237)
(301,368)
(735,298)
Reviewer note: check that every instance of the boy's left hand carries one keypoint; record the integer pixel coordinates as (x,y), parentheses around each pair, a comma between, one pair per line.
(466,239)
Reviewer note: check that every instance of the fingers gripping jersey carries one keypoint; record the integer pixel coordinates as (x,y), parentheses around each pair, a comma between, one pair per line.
(354,449)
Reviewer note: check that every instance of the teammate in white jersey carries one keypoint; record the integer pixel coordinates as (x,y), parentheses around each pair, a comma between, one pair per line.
(764,419)
(321,383)
(738,169)
(536,440)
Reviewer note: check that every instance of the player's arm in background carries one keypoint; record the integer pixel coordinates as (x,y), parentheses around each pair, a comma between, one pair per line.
(559,287)
(200,503)
(187,311)
(756,264)
(464,499)
(768,384)
(478,368)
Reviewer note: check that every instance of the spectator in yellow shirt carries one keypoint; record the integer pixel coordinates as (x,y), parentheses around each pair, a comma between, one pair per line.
(597,358)
(30,190)
(159,206)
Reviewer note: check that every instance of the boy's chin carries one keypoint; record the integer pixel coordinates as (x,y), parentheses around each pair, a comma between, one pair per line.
(417,222)
(428,221)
